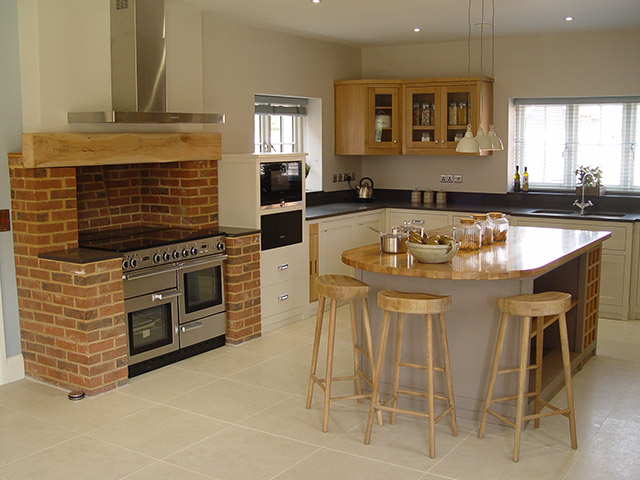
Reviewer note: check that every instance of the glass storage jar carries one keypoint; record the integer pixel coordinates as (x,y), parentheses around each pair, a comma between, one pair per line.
(416,114)
(468,233)
(500,226)
(425,117)
(485,222)
(453,113)
(462,113)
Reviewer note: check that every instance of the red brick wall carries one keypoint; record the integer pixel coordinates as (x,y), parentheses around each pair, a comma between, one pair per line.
(242,274)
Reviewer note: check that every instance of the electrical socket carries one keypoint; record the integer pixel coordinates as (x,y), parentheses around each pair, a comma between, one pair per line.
(447,178)
(335,177)
(339,177)
(353,176)
(457,178)
(347,176)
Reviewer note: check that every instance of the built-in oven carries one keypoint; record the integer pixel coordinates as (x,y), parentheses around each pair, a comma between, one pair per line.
(280,229)
(281,184)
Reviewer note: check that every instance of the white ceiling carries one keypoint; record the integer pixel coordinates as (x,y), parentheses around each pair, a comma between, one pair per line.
(391,22)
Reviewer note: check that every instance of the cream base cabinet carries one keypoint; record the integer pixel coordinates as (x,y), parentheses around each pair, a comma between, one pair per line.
(635,274)
(364,223)
(615,284)
(334,237)
(428,221)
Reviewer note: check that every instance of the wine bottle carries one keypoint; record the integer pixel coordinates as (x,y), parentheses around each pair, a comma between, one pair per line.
(525,180)
(516,180)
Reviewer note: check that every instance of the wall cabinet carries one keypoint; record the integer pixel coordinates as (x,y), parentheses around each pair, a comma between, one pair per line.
(615,285)
(429,130)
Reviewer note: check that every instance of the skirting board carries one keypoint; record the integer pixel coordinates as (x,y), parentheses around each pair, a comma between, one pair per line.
(15,369)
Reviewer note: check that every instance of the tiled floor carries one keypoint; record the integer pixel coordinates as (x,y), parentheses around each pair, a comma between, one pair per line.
(238,413)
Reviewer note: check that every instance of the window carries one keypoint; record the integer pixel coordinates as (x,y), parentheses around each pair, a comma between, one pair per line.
(554,136)
(279,124)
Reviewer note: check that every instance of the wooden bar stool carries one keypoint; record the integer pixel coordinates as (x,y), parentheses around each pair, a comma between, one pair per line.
(340,287)
(429,306)
(546,308)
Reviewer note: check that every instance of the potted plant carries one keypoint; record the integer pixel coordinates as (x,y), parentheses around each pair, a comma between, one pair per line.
(590,178)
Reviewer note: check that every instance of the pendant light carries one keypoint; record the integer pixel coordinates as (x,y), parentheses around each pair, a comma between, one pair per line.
(496,143)
(483,141)
(468,144)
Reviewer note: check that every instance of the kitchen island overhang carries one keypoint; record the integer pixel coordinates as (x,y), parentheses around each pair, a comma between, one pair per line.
(532,260)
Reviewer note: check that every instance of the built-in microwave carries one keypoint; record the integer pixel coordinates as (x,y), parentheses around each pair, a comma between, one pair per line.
(280,184)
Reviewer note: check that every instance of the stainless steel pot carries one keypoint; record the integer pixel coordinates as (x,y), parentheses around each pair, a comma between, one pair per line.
(394,242)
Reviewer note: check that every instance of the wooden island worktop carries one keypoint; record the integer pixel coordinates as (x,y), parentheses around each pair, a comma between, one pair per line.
(532,260)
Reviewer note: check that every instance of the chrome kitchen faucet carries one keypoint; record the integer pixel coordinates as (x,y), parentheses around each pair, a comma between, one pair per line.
(581,204)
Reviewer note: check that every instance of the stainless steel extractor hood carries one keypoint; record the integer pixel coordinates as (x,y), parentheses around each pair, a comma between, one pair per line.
(138,69)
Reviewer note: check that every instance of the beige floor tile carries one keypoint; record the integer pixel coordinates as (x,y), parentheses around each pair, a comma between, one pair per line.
(490,459)
(22,435)
(226,455)
(228,401)
(599,468)
(159,431)
(620,350)
(616,440)
(90,413)
(616,330)
(223,362)
(77,459)
(277,374)
(164,471)
(26,393)
(292,420)
(405,444)
(274,343)
(165,383)
(331,465)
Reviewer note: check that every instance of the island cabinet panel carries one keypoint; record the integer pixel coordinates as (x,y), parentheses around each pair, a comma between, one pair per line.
(635,274)
(427,220)
(615,287)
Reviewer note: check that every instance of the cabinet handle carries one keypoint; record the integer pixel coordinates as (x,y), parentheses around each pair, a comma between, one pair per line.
(395,141)
(437,141)
(417,222)
(283,297)
(191,326)
(284,266)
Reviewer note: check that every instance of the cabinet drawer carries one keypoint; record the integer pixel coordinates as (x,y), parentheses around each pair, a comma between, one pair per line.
(617,241)
(281,297)
(281,264)
(429,221)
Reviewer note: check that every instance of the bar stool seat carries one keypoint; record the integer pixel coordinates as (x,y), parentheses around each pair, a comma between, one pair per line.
(546,308)
(422,304)
(340,287)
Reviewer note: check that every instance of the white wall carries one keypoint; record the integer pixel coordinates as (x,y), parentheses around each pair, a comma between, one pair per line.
(599,63)
(10,130)
(240,61)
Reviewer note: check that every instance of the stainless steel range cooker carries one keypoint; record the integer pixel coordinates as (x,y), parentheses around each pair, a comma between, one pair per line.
(173,289)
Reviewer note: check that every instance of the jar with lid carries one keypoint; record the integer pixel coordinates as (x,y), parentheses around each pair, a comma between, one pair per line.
(462,113)
(485,222)
(427,197)
(500,226)
(453,113)
(468,233)
(416,114)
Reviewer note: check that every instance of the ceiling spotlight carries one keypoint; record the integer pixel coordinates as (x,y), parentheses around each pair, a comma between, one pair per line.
(316,1)
(416,29)
(568,19)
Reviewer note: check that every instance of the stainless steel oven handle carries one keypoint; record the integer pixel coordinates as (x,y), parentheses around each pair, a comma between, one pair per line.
(158,271)
(215,260)
(164,296)
(191,326)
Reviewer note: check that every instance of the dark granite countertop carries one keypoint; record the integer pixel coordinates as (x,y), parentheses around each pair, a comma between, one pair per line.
(80,255)
(238,231)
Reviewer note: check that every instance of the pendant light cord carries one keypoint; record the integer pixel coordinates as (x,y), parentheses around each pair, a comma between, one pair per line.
(481,63)
(469,61)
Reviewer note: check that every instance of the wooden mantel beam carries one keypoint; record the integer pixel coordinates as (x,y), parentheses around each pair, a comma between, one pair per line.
(79,149)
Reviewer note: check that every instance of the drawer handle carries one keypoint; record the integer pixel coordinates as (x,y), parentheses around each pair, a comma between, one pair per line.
(417,222)
(283,297)
(284,266)
(191,326)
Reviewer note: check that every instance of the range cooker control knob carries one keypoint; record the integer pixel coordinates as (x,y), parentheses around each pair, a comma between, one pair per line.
(194,251)
(157,258)
(185,253)
(176,254)
(166,256)
(125,264)
(134,262)
(220,246)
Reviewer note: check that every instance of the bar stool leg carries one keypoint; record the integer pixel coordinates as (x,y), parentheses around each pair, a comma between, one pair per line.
(384,333)
(494,372)
(522,377)
(566,362)
(356,355)
(430,392)
(447,373)
(539,352)
(316,348)
(396,365)
(327,382)
(366,323)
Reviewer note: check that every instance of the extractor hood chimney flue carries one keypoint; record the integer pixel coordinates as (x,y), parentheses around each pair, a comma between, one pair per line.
(138,69)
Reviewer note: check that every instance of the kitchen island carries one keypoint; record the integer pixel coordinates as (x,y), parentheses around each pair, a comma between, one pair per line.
(532,260)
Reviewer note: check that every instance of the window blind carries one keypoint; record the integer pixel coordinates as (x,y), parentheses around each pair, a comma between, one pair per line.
(275,105)
(554,136)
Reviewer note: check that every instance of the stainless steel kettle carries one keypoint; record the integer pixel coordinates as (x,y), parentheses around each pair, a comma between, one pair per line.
(365,188)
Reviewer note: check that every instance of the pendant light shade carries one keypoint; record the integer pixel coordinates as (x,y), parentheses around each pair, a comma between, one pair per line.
(496,143)
(484,143)
(468,144)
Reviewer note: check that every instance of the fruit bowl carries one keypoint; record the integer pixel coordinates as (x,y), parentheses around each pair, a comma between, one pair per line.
(433,253)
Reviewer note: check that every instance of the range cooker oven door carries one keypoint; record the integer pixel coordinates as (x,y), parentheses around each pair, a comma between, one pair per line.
(152,325)
(200,282)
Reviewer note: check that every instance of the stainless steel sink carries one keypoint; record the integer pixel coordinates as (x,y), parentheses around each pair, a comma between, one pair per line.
(576,213)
